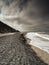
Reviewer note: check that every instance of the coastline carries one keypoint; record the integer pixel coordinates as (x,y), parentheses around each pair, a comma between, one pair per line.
(42,54)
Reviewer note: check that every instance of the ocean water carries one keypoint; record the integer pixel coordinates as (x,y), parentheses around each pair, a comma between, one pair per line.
(39,40)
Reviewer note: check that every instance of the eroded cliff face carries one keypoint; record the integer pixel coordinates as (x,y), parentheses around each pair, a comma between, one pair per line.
(25,15)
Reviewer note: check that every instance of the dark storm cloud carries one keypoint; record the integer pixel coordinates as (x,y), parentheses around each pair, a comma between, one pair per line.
(41,6)
(7,2)
(19,3)
(32,14)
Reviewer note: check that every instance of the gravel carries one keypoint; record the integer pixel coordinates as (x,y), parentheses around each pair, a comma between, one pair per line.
(15,51)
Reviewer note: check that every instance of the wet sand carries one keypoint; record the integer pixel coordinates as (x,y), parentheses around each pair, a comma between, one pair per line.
(42,54)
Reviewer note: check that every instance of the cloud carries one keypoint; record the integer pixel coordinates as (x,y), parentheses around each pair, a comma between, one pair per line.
(31,15)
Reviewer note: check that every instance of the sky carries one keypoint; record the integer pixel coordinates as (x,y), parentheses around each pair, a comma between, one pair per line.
(25,15)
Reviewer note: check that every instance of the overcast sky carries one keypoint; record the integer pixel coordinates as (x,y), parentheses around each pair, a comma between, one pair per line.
(28,15)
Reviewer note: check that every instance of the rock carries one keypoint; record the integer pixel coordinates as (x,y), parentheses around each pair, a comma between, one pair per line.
(15,51)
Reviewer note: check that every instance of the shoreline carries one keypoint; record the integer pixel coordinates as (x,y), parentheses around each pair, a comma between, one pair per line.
(42,54)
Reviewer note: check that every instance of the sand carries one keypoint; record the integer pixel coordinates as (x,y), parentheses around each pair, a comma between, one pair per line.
(42,54)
